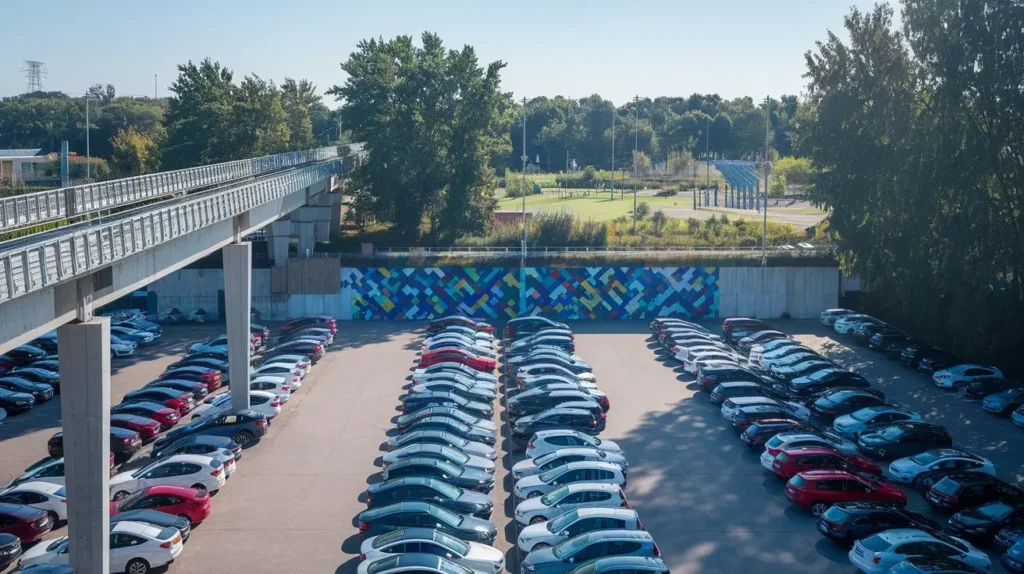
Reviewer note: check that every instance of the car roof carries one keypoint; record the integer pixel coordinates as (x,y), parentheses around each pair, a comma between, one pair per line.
(618,534)
(955,453)
(192,458)
(607,512)
(867,506)
(750,401)
(800,450)
(35,486)
(823,473)
(136,528)
(578,486)
(897,535)
(588,464)
(169,489)
(21,511)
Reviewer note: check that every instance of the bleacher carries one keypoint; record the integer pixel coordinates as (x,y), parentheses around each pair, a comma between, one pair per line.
(738,174)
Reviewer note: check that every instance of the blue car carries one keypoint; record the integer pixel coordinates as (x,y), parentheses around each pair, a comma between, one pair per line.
(39,391)
(14,402)
(242,426)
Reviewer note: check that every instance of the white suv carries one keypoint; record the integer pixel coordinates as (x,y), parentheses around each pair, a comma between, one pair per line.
(880,552)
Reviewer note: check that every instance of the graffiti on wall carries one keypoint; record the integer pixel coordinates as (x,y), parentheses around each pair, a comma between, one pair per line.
(559,292)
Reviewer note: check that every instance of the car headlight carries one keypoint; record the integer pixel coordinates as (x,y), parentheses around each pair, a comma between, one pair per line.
(21,403)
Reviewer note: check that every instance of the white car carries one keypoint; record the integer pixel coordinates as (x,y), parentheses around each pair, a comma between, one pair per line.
(574,523)
(440,452)
(960,375)
(790,360)
(190,470)
(878,553)
(732,406)
(42,495)
(906,470)
(279,386)
(447,344)
(760,353)
(583,471)
(455,378)
(443,438)
(547,441)
(476,393)
(280,370)
(552,369)
(473,555)
(828,316)
(135,548)
(260,401)
(859,421)
(570,497)
(801,367)
(544,380)
(679,342)
(709,358)
(461,338)
(685,351)
(555,459)
(120,347)
(301,361)
(48,470)
(845,324)
(453,367)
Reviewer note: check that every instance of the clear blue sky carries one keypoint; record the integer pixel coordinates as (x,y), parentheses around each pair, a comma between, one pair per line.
(568,47)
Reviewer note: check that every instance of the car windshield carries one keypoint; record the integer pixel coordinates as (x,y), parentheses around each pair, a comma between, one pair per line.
(450,542)
(996,510)
(444,488)
(562,522)
(891,433)
(383,564)
(387,538)
(132,498)
(455,455)
(571,546)
(554,496)
(924,459)
(946,486)
(773,442)
(58,544)
(551,474)
(449,518)
(864,415)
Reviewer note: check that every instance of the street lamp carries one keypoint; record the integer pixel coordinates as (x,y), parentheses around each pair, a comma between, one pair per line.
(522,187)
(766,163)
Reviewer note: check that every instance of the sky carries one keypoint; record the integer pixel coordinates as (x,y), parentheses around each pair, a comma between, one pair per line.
(555,47)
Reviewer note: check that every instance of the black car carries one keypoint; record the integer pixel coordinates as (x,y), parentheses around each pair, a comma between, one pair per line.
(520,327)
(124,443)
(156,518)
(891,342)
(1003,402)
(847,522)
(38,374)
(743,389)
(746,343)
(981,523)
(763,430)
(961,490)
(141,325)
(862,333)
(198,360)
(197,389)
(825,379)
(199,444)
(983,386)
(932,359)
(15,402)
(432,490)
(421,514)
(1007,537)
(557,418)
(414,402)
(451,425)
(47,343)
(25,354)
(932,565)
(39,391)
(50,363)
(10,550)
(454,474)
(709,378)
(898,440)
(833,404)
(539,400)
(313,351)
(215,355)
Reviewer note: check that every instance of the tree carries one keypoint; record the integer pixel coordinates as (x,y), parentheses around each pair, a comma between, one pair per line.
(642,164)
(298,100)
(643,210)
(259,125)
(134,154)
(658,220)
(431,120)
(199,116)
(777,185)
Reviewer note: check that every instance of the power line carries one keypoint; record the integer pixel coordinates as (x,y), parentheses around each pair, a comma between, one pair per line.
(34,73)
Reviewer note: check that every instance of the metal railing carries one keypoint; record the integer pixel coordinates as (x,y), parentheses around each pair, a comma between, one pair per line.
(77,253)
(498,252)
(56,204)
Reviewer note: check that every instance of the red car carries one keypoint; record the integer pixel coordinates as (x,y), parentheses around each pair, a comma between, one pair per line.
(456,355)
(191,503)
(182,401)
(817,490)
(793,461)
(439,324)
(209,377)
(166,416)
(27,523)
(147,428)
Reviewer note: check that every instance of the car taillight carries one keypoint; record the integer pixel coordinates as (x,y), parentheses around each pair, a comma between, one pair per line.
(656,551)
(530,446)
(261,423)
(275,404)
(363,526)
(362,556)
(319,348)
(602,415)
(285,388)
(593,423)
(128,441)
(876,559)
(216,471)
(369,498)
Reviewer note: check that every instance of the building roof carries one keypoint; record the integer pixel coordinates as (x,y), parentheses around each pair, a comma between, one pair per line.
(13,153)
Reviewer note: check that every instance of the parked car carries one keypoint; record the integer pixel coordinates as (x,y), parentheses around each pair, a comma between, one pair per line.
(454,474)
(589,546)
(961,490)
(475,556)
(841,402)
(710,377)
(859,421)
(933,565)
(25,354)
(898,440)
(407,419)
(198,390)
(1018,416)
(40,392)
(166,416)
(547,441)
(36,373)
(222,448)
(982,386)
(890,342)
(46,470)
(242,426)
(124,443)
(450,425)
(46,496)
(155,518)
(939,461)
(519,327)
(10,550)
(845,324)
(1004,402)
(570,497)
(147,429)
(825,379)
(135,548)
(801,369)
(634,564)
(793,461)
(383,519)
(557,418)
(816,490)
(864,331)
(311,320)
(15,402)
(737,389)
(563,456)
(182,401)
(828,316)
(439,437)
(574,523)
(432,490)
(422,372)
(191,503)
(961,375)
(878,553)
(193,470)
(138,322)
(933,359)
(26,522)
(1007,537)
(583,471)
(439,452)
(846,522)
(121,347)
(210,377)
(281,387)
(1013,560)
(745,411)
(761,431)
(461,356)
(981,523)
(478,393)
(137,336)
(416,401)
(266,403)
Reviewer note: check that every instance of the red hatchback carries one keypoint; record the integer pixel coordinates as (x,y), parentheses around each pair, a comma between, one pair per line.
(817,490)
(147,428)
(27,523)
(166,416)
(456,355)
(191,503)
(789,462)
(181,401)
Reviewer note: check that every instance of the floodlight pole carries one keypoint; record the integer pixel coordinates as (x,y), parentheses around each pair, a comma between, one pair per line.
(636,148)
(522,187)
(767,170)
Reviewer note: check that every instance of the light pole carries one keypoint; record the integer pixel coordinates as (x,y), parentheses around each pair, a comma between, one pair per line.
(767,170)
(636,148)
(614,112)
(88,156)
(522,186)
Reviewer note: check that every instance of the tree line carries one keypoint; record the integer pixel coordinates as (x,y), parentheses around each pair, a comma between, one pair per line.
(917,139)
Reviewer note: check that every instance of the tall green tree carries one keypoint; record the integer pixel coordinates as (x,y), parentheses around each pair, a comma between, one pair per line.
(298,100)
(199,116)
(259,124)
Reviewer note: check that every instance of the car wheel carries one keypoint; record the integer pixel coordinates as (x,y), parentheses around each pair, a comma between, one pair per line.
(198,486)
(243,437)
(137,566)
(53,516)
(533,494)
(819,508)
(121,495)
(541,545)
(962,391)
(537,520)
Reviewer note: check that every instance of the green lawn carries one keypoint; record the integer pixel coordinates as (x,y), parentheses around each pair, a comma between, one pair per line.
(596,206)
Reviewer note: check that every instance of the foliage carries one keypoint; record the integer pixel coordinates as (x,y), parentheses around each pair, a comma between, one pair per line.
(796,170)
(134,154)
(515,184)
(431,120)
(643,210)
(679,163)
(298,100)
(776,185)
(918,141)
(642,166)
(658,221)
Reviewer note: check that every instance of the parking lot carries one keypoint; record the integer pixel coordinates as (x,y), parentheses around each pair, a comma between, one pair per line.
(701,493)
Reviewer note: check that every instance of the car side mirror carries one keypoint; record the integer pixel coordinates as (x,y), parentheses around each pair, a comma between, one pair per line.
(869,490)
(572,560)
(554,483)
(564,533)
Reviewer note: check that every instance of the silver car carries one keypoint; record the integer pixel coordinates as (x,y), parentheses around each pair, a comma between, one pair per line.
(473,555)
(574,523)
(555,459)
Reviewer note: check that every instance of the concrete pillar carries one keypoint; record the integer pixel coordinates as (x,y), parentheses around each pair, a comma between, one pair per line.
(305,221)
(84,366)
(279,237)
(237,303)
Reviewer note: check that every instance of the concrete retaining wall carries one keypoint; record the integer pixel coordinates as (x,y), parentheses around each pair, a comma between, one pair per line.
(803,292)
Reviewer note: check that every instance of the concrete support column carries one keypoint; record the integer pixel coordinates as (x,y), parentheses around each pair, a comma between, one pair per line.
(279,239)
(305,221)
(237,303)
(84,366)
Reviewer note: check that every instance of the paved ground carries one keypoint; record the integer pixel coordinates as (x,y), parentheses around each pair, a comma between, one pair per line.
(702,494)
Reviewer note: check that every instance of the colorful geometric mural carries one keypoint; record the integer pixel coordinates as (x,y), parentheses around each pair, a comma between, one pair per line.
(431,292)
(556,292)
(622,292)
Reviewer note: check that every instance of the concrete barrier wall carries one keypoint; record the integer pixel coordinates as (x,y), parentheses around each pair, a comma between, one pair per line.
(803,292)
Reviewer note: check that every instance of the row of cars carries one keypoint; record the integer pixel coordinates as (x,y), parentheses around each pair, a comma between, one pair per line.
(999,396)
(823,432)
(154,506)
(431,510)
(572,511)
